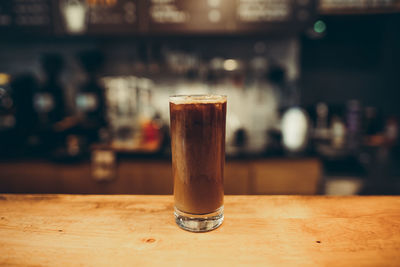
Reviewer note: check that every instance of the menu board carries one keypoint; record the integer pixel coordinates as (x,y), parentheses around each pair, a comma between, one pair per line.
(125,17)
(26,16)
(264,10)
(273,15)
(228,16)
(193,16)
(97,16)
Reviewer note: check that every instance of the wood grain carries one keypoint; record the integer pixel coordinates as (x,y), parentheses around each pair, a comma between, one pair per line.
(123,230)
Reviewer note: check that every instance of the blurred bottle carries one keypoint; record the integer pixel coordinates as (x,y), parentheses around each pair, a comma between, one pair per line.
(353,121)
(103,164)
(321,128)
(263,106)
(49,101)
(122,98)
(149,118)
(238,122)
(373,127)
(372,121)
(49,104)
(295,127)
(90,100)
(338,133)
(287,92)
(155,59)
(240,141)
(23,88)
(295,122)
(391,132)
(7,117)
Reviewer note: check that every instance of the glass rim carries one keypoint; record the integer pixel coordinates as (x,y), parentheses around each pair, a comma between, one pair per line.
(197,98)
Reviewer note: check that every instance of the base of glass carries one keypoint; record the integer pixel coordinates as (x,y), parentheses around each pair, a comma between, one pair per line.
(199,223)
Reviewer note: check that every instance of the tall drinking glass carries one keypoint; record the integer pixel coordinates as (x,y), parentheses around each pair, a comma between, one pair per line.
(198,159)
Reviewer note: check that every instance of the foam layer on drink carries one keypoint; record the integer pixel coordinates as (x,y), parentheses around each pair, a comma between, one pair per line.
(197,99)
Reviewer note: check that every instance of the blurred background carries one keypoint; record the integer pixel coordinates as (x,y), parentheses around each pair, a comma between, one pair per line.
(313,93)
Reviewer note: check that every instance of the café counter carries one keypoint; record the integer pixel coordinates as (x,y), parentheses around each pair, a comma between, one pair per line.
(138,230)
(277,176)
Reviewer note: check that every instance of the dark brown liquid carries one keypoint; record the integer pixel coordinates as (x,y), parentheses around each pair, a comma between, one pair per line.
(198,155)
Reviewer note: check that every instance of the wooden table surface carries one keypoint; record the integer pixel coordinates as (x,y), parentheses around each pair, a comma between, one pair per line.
(128,230)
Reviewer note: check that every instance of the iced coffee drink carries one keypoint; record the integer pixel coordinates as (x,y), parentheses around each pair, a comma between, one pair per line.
(198,159)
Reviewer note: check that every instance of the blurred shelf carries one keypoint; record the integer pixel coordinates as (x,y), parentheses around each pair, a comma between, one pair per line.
(360,11)
(334,7)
